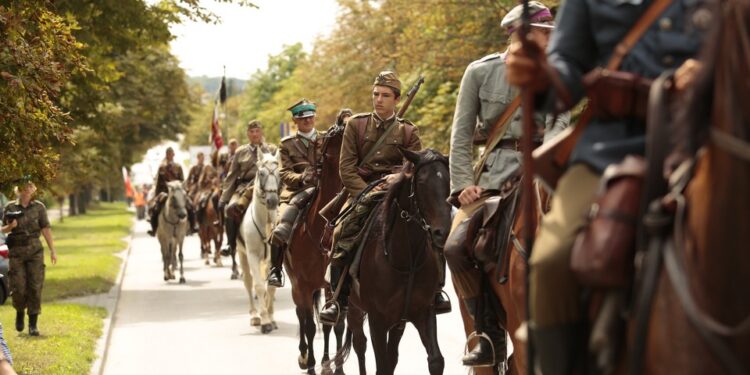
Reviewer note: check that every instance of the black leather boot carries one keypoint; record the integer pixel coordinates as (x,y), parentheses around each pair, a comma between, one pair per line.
(275,278)
(486,353)
(154,220)
(283,230)
(336,311)
(230,225)
(33,331)
(442,303)
(556,348)
(19,320)
(192,221)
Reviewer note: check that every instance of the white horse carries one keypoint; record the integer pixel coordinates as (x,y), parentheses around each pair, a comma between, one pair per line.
(172,229)
(252,244)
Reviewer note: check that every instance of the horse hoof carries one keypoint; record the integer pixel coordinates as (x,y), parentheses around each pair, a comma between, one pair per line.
(182,280)
(208,262)
(233,277)
(254,322)
(339,371)
(311,371)
(266,328)
(166,278)
(302,362)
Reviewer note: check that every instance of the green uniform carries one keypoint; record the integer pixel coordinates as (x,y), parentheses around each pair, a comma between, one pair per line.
(27,256)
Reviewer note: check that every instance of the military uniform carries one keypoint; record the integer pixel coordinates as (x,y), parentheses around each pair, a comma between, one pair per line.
(26,257)
(484,96)
(193,177)
(575,50)
(204,190)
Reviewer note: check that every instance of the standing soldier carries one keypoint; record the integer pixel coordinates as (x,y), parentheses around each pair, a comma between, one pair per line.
(484,99)
(589,35)
(26,269)
(194,175)
(168,171)
(369,152)
(299,156)
(238,185)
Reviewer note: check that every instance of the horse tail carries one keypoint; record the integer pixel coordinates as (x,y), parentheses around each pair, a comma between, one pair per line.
(342,354)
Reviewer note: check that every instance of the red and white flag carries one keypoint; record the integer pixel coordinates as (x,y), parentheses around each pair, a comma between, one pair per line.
(216,140)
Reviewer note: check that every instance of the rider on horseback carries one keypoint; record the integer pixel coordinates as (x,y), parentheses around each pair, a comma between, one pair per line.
(238,185)
(486,106)
(589,34)
(370,152)
(168,171)
(299,156)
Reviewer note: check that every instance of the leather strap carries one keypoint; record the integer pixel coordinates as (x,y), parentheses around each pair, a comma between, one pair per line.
(631,38)
(498,130)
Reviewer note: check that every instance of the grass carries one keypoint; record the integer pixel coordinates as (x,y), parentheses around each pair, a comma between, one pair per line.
(66,346)
(86,247)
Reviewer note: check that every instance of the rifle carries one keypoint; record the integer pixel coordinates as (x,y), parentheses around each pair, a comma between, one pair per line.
(331,210)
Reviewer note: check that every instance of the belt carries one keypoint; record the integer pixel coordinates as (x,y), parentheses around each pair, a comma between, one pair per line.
(514,144)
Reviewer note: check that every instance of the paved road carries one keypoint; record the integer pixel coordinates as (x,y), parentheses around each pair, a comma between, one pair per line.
(203,327)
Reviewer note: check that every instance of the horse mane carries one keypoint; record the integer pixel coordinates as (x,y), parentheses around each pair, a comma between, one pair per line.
(722,84)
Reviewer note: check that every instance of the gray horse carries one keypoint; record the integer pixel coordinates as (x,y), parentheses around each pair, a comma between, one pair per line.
(172,229)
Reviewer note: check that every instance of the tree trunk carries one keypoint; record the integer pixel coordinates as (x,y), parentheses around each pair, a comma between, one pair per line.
(73,202)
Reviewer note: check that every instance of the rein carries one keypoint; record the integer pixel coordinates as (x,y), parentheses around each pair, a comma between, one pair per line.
(733,145)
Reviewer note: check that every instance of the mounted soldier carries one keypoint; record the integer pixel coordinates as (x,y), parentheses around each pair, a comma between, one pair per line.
(237,187)
(299,160)
(168,171)
(194,175)
(369,153)
(636,41)
(488,108)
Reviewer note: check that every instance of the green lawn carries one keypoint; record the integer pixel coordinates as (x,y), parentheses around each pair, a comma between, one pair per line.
(86,265)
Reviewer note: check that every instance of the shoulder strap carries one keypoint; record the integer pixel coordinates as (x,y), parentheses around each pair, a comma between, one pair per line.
(631,38)
(498,130)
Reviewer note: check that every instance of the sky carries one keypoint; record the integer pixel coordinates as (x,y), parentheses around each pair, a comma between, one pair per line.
(247,36)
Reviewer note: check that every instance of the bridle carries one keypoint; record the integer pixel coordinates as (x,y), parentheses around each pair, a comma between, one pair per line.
(261,192)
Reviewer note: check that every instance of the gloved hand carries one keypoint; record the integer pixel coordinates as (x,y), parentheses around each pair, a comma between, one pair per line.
(308,176)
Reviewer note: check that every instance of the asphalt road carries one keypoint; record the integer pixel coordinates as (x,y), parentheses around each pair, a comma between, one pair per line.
(203,327)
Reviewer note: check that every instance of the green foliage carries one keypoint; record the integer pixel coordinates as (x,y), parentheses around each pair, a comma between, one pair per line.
(69,335)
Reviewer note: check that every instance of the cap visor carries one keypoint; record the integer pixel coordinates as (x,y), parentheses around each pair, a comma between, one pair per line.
(543,25)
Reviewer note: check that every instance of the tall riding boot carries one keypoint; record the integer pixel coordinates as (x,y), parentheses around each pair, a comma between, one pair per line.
(555,348)
(154,220)
(230,226)
(442,303)
(192,221)
(336,311)
(283,231)
(20,320)
(33,331)
(275,278)
(486,353)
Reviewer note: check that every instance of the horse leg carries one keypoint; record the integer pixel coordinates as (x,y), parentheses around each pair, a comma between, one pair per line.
(355,318)
(260,290)
(310,329)
(427,328)
(182,270)
(379,338)
(165,262)
(394,338)
(235,274)
(326,337)
(247,280)
(218,240)
(302,318)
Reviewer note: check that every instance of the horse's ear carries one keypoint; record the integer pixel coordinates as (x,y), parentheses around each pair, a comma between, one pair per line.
(410,155)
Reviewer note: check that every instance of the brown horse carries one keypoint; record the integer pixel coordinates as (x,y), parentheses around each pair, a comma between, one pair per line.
(700,319)
(305,259)
(209,227)
(399,264)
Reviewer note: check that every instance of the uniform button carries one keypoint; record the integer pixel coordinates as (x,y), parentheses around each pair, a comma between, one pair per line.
(378,152)
(377,164)
(665,24)
(668,60)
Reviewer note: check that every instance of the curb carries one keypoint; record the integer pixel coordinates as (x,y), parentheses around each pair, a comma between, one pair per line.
(102,344)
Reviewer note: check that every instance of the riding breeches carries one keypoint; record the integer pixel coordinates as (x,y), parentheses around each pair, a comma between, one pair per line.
(464,272)
(554,294)
(347,235)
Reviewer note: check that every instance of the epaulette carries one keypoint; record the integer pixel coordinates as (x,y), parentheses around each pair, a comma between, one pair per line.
(404,121)
(242,147)
(363,114)
(493,56)
(288,137)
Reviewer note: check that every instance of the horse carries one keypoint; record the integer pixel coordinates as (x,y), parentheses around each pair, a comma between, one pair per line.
(252,239)
(410,227)
(306,261)
(210,228)
(172,229)
(699,320)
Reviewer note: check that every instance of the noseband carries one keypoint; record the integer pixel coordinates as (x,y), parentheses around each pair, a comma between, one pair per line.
(262,191)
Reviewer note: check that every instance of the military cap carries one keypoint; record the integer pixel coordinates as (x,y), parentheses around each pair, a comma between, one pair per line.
(540,17)
(302,109)
(170,149)
(254,124)
(389,79)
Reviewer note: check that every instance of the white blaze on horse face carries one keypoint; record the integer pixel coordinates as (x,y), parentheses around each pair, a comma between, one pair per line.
(440,175)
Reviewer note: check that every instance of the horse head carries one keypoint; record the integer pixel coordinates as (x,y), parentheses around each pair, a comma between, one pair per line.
(177,199)
(430,187)
(267,179)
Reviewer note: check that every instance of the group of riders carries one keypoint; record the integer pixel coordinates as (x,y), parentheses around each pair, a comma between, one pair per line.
(589,36)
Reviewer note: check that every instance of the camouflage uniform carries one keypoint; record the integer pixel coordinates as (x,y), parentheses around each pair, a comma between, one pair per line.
(27,256)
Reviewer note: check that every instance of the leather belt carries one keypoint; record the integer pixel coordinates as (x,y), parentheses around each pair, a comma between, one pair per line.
(513,144)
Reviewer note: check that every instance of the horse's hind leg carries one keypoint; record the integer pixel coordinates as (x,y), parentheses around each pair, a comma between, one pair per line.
(182,270)
(394,338)
(427,327)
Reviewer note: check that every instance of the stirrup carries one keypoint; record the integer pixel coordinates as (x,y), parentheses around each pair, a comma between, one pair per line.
(327,305)
(481,336)
(282,280)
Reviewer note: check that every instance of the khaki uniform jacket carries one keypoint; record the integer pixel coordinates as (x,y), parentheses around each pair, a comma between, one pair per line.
(32,222)
(242,170)
(297,154)
(482,98)
(384,159)
(193,176)
(168,172)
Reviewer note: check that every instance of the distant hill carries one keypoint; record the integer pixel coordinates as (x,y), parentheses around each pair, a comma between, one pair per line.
(211,84)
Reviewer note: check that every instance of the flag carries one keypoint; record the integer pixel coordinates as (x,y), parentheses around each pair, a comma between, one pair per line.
(223,90)
(216,139)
